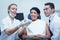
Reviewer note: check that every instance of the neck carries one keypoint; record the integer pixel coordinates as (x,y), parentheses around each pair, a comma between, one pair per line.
(34,20)
(51,15)
(12,19)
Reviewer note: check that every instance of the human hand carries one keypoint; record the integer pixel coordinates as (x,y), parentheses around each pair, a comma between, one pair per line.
(25,23)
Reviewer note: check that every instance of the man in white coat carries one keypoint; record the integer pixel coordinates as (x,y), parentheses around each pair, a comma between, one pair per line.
(54,20)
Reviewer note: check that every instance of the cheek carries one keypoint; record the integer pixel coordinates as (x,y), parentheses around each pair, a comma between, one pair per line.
(34,17)
(48,11)
(12,11)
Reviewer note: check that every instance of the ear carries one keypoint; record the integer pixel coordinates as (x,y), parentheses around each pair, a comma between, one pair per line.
(53,10)
(8,11)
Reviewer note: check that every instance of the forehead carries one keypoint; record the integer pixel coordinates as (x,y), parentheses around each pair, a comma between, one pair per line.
(33,10)
(46,6)
(13,6)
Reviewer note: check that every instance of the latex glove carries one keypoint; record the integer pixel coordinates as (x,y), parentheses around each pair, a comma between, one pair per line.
(25,23)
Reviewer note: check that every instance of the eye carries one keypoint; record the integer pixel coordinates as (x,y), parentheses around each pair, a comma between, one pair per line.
(14,8)
(46,9)
(35,13)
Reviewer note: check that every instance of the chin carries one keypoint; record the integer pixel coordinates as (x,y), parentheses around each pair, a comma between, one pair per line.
(33,19)
(46,14)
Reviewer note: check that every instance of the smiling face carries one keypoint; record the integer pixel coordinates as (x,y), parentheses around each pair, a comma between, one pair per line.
(13,9)
(47,10)
(34,15)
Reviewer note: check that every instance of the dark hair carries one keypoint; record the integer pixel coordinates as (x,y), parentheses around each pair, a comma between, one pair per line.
(36,9)
(52,6)
(10,6)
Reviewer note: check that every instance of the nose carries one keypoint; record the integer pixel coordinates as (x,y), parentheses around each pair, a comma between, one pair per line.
(32,14)
(44,11)
(15,10)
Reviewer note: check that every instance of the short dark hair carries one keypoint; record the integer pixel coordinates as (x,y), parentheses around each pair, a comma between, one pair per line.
(52,6)
(10,6)
(36,9)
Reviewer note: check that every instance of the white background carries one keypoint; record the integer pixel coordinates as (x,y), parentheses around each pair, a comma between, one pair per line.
(24,6)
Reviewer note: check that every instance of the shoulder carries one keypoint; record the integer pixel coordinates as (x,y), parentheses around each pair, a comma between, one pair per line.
(42,22)
(5,19)
(57,19)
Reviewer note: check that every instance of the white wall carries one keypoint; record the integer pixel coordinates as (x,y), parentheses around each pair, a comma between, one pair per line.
(25,6)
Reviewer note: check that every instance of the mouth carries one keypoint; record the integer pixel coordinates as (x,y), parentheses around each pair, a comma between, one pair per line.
(14,12)
(32,16)
(45,13)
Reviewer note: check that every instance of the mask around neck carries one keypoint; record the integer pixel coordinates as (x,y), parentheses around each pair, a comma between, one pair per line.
(12,15)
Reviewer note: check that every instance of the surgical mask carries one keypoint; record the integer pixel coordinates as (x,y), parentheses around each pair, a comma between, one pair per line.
(12,15)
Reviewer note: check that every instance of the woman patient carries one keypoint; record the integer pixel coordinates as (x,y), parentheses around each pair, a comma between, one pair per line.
(38,29)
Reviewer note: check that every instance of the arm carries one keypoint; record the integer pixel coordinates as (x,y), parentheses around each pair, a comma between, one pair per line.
(23,32)
(47,33)
(56,31)
(10,31)
(39,36)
